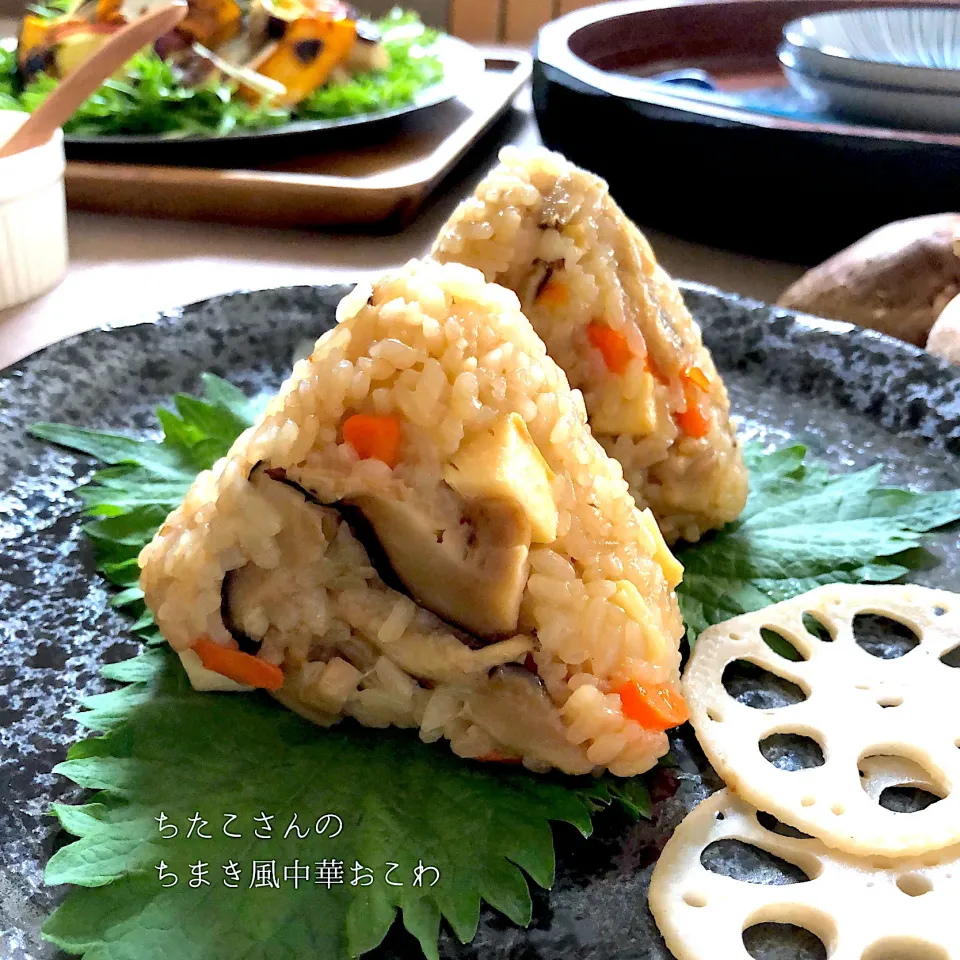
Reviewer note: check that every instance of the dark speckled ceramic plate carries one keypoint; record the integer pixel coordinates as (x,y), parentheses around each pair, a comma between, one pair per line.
(855,398)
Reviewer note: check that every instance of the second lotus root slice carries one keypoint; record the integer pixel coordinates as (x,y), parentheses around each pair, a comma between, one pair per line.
(705,897)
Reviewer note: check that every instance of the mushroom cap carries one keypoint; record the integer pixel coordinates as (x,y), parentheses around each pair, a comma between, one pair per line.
(896,279)
(944,339)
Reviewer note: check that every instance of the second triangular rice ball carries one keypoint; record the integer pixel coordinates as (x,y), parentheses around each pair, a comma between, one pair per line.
(422,532)
(617,325)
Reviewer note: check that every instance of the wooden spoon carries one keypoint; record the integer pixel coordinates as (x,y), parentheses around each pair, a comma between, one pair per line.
(72,91)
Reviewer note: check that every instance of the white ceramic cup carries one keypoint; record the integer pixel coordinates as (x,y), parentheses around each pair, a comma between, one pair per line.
(33,216)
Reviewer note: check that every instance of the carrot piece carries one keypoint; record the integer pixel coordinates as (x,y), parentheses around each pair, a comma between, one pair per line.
(554,293)
(239,666)
(497,757)
(693,421)
(110,11)
(698,377)
(653,707)
(612,346)
(374,437)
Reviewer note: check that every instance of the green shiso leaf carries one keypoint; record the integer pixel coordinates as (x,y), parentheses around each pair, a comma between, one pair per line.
(168,750)
(802,528)
(160,748)
(150,100)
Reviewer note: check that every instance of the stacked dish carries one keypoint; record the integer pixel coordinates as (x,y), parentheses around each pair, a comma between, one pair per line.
(898,65)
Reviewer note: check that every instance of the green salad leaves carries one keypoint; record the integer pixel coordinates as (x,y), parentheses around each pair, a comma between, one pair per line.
(150,100)
(171,767)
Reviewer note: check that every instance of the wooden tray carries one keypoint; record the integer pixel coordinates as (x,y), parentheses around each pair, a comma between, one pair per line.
(374,185)
(775,185)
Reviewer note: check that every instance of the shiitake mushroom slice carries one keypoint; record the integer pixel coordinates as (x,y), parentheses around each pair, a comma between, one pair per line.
(471,576)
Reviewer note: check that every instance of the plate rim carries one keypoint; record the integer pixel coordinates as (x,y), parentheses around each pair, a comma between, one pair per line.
(814,58)
(785,54)
(806,322)
(794,35)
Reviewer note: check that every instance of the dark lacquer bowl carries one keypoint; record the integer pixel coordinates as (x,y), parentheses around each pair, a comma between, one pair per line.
(740,166)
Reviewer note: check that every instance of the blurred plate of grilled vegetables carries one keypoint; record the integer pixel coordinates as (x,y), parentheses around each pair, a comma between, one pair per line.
(234,70)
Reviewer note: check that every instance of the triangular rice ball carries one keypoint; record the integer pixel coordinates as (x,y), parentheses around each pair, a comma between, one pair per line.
(616,323)
(422,532)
